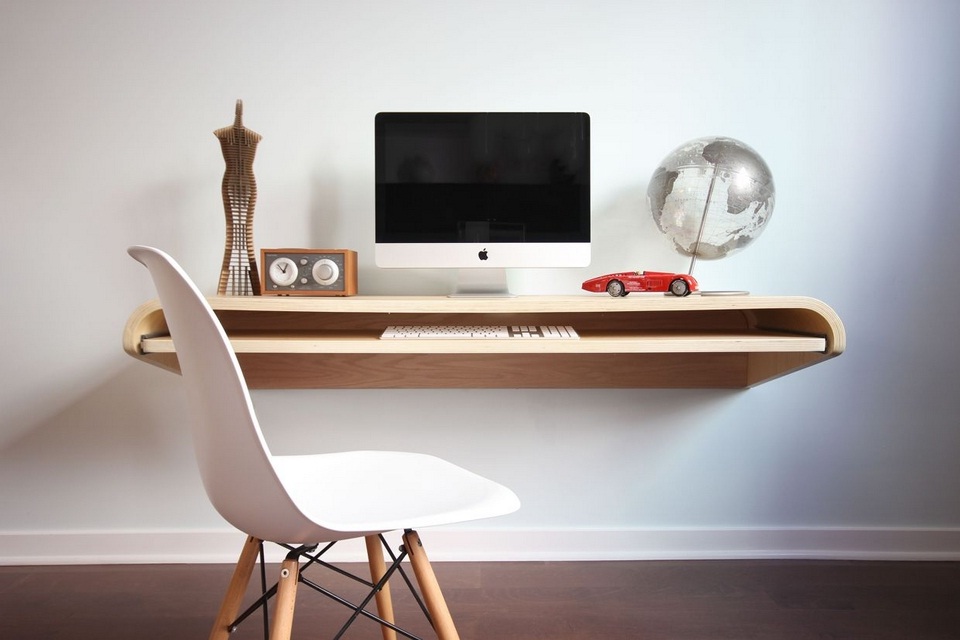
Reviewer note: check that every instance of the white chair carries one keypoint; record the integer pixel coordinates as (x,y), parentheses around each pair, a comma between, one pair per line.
(300,501)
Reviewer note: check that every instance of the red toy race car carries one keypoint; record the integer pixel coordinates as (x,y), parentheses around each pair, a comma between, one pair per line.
(620,284)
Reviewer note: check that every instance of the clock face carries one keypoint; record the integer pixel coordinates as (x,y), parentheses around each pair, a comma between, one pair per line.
(283,271)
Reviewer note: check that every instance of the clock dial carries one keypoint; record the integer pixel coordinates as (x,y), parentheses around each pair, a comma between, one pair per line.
(325,271)
(283,272)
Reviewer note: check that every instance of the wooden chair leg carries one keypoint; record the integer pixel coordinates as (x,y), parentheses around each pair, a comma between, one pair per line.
(384,601)
(286,599)
(236,590)
(436,605)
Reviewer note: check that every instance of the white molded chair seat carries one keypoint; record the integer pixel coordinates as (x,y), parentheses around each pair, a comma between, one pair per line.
(357,493)
(303,499)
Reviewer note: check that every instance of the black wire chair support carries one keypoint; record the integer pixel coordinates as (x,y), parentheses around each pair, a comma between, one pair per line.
(307,556)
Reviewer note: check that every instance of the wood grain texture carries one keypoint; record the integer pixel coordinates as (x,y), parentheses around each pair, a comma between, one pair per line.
(652,342)
(651,600)
(236,590)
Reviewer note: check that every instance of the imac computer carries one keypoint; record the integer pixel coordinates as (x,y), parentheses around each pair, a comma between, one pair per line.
(481,193)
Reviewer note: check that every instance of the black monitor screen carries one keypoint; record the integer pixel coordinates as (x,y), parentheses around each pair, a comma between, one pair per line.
(482,177)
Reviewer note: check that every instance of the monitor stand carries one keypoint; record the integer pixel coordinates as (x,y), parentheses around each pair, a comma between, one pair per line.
(482,283)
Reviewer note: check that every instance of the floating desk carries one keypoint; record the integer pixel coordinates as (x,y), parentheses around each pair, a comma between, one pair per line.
(640,341)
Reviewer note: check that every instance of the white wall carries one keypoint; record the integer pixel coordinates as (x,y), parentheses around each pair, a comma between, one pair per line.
(106,118)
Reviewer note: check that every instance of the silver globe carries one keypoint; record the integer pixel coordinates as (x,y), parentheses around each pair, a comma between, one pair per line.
(712,197)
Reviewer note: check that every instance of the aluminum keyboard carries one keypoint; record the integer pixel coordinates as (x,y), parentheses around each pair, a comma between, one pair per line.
(458,332)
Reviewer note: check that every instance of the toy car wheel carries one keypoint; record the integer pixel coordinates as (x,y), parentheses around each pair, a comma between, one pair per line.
(615,288)
(679,288)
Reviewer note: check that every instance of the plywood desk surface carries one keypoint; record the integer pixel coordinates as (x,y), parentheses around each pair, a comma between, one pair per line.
(650,341)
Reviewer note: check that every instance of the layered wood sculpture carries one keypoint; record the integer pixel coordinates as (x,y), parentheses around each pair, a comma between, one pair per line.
(238,274)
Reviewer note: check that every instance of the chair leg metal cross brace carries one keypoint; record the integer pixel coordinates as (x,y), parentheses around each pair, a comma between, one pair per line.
(300,558)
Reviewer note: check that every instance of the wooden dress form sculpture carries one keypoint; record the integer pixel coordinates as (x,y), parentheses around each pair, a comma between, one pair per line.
(238,274)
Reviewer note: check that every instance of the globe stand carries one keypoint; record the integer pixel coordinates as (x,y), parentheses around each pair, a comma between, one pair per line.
(724,293)
(703,221)
(696,246)
(691,172)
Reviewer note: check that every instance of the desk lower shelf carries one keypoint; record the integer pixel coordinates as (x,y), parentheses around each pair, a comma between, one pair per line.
(641,341)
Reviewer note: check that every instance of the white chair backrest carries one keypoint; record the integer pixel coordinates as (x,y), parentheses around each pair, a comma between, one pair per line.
(234,460)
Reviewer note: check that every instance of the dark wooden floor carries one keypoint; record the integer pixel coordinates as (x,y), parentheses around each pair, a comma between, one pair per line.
(713,600)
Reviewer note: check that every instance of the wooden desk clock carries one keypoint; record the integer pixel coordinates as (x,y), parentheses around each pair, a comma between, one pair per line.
(309,272)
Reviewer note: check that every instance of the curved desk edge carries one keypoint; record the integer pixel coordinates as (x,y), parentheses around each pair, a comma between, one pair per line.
(643,341)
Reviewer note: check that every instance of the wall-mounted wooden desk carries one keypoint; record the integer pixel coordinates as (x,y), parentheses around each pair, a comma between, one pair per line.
(637,341)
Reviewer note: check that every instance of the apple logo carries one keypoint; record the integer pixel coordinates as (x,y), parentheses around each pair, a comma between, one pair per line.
(482,255)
